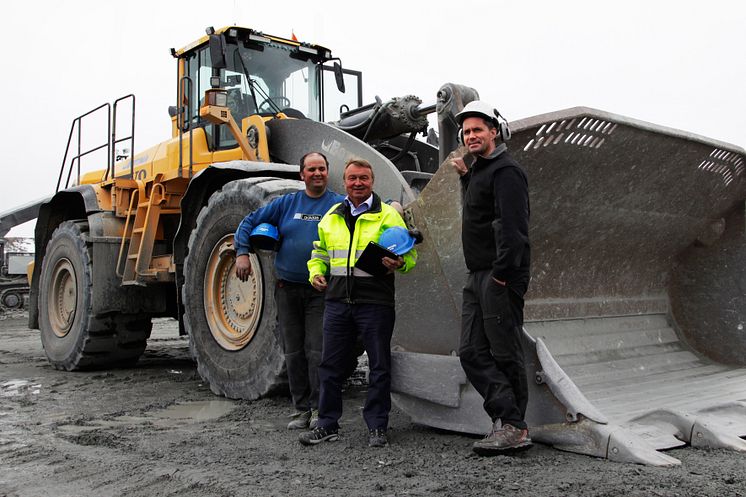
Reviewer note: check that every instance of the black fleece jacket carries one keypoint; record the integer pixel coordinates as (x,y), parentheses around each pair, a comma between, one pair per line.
(495,219)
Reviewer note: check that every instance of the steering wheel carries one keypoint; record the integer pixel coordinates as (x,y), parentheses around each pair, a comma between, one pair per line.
(266,106)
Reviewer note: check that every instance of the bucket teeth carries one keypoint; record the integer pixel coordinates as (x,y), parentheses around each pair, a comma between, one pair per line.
(625,446)
(714,428)
(707,434)
(613,442)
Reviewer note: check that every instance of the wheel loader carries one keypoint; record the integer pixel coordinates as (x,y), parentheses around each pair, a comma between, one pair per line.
(634,332)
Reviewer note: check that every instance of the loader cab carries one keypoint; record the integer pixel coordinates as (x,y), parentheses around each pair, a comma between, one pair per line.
(263,75)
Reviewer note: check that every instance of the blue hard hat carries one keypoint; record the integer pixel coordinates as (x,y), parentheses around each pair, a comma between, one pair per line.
(265,236)
(397,239)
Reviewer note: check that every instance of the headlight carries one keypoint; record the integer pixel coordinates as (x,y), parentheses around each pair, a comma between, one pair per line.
(217,97)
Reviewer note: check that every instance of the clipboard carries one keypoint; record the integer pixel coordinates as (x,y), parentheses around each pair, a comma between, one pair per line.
(370,260)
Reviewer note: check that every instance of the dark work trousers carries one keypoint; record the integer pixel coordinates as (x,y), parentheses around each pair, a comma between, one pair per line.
(300,311)
(342,323)
(490,351)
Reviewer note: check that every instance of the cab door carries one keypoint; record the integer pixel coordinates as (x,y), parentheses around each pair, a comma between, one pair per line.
(335,102)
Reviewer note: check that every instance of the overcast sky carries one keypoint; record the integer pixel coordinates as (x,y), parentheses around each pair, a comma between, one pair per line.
(678,64)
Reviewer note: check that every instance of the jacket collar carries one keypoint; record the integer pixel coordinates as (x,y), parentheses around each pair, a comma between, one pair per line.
(498,150)
(374,208)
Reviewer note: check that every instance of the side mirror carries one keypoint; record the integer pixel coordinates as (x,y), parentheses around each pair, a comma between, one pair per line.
(339,77)
(217,51)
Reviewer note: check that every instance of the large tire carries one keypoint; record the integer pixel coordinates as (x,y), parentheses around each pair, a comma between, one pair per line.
(73,338)
(232,325)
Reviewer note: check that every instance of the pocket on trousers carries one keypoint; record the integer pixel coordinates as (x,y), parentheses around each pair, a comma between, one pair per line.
(496,304)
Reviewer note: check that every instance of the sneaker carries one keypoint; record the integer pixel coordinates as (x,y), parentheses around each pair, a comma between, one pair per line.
(377,438)
(314,420)
(503,440)
(318,435)
(301,420)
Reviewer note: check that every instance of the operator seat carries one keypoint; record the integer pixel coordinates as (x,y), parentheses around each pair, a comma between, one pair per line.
(240,105)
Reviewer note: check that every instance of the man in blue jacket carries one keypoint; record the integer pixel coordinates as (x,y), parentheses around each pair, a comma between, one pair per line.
(300,306)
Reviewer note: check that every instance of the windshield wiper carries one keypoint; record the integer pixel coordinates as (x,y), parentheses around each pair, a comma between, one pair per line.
(255,88)
(248,78)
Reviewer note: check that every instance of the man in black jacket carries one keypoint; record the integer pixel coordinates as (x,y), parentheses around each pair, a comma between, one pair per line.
(497,253)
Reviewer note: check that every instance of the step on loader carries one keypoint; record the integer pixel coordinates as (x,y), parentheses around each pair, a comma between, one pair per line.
(635,314)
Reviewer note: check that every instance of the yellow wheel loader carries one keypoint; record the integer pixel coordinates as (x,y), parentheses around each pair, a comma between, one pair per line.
(635,315)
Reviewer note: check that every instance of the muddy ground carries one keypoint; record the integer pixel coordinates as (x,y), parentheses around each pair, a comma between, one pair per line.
(157,430)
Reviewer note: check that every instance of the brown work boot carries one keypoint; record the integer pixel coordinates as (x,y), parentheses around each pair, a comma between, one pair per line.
(300,420)
(503,440)
(314,421)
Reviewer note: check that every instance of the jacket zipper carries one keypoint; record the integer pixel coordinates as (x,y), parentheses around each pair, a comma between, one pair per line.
(348,282)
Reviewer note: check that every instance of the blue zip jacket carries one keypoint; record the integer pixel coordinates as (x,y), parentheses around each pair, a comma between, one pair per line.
(297,217)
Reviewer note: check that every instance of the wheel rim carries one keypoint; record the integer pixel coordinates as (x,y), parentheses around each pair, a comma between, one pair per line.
(64,301)
(232,307)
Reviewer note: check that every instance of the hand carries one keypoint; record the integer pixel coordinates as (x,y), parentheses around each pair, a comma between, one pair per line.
(319,283)
(499,282)
(392,264)
(243,267)
(458,165)
(417,235)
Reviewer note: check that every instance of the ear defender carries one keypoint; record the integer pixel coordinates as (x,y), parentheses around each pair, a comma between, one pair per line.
(502,126)
(505,133)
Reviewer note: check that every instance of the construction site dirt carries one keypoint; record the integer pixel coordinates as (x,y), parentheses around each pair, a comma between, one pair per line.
(157,430)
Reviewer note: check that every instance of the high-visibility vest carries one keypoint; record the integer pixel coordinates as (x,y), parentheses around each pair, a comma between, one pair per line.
(335,254)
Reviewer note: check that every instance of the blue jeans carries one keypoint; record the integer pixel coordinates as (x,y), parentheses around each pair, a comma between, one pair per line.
(342,323)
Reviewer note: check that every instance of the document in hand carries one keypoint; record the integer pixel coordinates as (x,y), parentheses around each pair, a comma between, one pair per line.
(370,260)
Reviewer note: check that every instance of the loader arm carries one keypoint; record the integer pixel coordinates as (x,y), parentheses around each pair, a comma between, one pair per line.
(19,215)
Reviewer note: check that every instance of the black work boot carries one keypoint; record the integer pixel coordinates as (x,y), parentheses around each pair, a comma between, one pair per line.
(318,435)
(377,438)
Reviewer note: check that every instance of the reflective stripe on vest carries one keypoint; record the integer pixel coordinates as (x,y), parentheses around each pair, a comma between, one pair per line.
(342,271)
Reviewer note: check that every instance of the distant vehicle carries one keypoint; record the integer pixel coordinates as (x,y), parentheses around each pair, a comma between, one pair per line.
(14,287)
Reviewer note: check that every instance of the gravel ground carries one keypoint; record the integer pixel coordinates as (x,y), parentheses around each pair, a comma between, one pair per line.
(157,430)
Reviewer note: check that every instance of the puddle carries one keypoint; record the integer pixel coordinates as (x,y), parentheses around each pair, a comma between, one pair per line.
(77,429)
(195,412)
(98,424)
(14,388)
(189,412)
(273,424)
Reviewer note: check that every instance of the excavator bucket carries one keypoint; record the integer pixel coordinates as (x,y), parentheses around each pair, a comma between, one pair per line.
(635,315)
